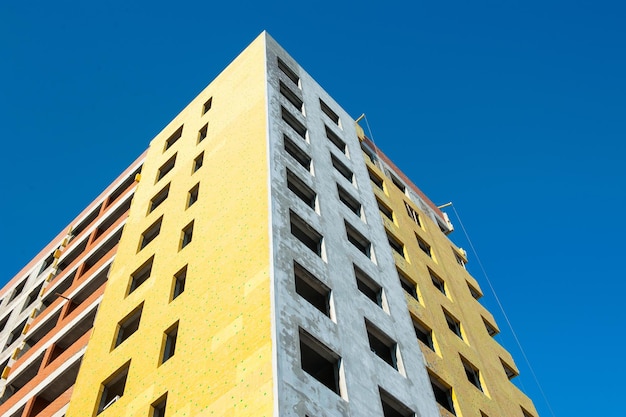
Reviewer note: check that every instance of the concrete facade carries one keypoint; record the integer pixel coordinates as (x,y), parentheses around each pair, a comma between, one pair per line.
(267,259)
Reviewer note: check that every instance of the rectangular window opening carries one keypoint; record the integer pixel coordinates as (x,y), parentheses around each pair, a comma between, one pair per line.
(192,196)
(32,297)
(179,282)
(385,210)
(382,345)
(437,282)
(157,408)
(173,138)
(396,245)
(491,329)
(202,133)
(412,214)
(509,370)
(453,324)
(293,122)
(342,168)
(358,240)
(301,190)
(474,292)
(443,393)
(398,183)
(150,233)
(141,275)
(296,153)
(312,289)
(207,105)
(113,388)
(336,140)
(352,203)
(197,162)
(472,373)
(320,362)
(18,290)
(128,325)
(186,235)
(392,407)
(425,247)
(166,168)
(376,180)
(368,286)
(160,197)
(305,233)
(169,343)
(288,71)
(408,285)
(328,112)
(291,96)
(424,333)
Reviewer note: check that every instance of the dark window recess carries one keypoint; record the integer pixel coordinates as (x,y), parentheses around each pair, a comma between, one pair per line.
(443,394)
(193,195)
(376,180)
(158,407)
(72,255)
(202,133)
(371,154)
(296,153)
(336,140)
(472,373)
(187,235)
(113,217)
(392,407)
(197,163)
(368,286)
(32,297)
(349,201)
(15,334)
(113,388)
(382,345)
(78,229)
(407,284)
(342,168)
(300,189)
(3,324)
(474,292)
(169,347)
(398,183)
(453,324)
(305,233)
(49,261)
(425,247)
(358,240)
(179,282)
(141,275)
(288,71)
(128,182)
(526,413)
(412,214)
(396,245)
(102,251)
(159,198)
(173,138)
(437,282)
(128,325)
(385,210)
(151,233)
(424,334)
(312,289)
(293,122)
(491,329)
(508,369)
(290,96)
(18,290)
(328,112)
(166,167)
(319,361)
(207,105)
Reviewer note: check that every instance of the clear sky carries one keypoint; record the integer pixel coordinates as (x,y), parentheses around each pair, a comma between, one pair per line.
(512,110)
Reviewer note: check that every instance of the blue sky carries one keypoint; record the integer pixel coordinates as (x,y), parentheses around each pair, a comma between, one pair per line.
(513,110)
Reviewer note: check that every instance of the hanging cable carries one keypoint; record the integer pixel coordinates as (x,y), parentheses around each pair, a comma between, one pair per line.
(508,322)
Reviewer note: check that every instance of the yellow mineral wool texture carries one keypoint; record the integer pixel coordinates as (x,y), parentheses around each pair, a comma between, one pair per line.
(224,312)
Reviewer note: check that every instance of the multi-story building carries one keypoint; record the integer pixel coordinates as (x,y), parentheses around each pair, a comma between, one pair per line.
(261,258)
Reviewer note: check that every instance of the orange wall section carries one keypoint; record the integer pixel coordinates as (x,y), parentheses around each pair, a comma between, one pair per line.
(223,359)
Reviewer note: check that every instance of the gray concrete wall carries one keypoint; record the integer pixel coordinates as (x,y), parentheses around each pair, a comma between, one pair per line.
(362,372)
